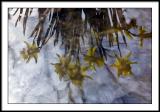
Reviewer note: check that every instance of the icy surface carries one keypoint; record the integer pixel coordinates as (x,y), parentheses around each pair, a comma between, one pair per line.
(38,83)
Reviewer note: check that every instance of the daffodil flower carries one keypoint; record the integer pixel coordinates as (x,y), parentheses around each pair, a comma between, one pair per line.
(30,52)
(62,66)
(123,65)
(143,35)
(93,60)
(73,71)
(77,74)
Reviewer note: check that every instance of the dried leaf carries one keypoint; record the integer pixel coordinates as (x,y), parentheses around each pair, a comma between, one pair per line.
(128,34)
(25,20)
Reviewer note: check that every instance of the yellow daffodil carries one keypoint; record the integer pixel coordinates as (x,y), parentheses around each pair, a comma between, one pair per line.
(143,35)
(77,74)
(123,65)
(73,71)
(62,66)
(93,60)
(30,52)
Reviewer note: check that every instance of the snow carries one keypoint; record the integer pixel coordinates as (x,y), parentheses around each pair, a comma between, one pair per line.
(38,83)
